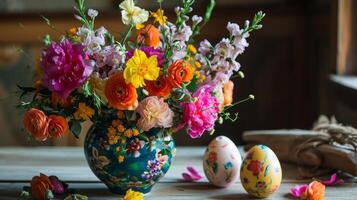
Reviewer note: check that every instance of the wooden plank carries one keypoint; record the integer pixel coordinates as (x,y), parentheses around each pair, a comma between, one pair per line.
(21,164)
(185,191)
(18,165)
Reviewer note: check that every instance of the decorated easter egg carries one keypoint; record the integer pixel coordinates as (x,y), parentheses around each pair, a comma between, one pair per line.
(260,172)
(221,162)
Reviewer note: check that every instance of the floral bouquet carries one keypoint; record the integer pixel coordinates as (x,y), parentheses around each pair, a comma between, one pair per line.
(137,89)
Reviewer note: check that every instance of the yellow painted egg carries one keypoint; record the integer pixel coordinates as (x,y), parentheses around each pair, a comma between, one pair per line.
(260,172)
(221,162)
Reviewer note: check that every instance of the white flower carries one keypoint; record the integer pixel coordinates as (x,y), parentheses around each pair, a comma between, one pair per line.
(131,14)
(183,35)
(92,13)
(92,40)
(205,47)
(234,29)
(240,42)
(196,19)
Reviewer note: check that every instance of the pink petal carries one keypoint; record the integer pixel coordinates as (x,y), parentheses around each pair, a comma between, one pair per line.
(194,173)
(298,190)
(187,177)
(333,181)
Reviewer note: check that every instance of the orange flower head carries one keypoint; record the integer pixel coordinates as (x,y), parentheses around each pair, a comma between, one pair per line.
(180,72)
(150,35)
(160,87)
(228,93)
(59,101)
(72,31)
(315,191)
(120,95)
(35,123)
(40,185)
(57,126)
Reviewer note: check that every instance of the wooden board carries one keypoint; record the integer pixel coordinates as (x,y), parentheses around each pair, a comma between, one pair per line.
(18,165)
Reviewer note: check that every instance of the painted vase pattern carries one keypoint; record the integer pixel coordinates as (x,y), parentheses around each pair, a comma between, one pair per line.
(123,161)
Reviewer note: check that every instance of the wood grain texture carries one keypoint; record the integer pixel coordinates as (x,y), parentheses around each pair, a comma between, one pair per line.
(18,165)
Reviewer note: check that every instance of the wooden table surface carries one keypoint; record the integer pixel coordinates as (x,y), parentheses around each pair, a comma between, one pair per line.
(18,165)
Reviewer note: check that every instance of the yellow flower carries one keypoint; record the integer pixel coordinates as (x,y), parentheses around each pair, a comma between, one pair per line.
(120,159)
(128,133)
(135,132)
(192,49)
(159,16)
(84,112)
(198,64)
(139,26)
(121,128)
(131,14)
(140,68)
(133,195)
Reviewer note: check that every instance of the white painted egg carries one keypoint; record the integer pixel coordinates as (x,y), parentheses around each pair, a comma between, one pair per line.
(260,172)
(221,162)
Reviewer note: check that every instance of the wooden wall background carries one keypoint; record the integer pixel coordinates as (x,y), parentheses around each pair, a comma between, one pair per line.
(286,65)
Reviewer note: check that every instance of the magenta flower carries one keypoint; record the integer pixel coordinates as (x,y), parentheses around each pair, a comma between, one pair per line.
(149,51)
(200,115)
(64,67)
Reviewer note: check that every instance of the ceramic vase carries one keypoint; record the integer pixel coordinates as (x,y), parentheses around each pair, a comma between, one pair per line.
(123,163)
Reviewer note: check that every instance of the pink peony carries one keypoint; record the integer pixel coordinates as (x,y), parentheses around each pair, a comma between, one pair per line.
(64,67)
(199,116)
(154,112)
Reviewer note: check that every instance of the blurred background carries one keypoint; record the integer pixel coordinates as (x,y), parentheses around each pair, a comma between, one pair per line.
(300,65)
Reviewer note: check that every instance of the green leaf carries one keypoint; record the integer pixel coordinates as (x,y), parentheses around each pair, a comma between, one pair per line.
(193,84)
(75,127)
(209,10)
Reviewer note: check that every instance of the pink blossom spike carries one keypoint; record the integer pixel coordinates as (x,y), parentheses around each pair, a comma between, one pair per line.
(333,181)
(298,190)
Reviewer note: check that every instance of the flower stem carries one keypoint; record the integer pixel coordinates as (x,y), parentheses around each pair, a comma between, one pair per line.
(127,34)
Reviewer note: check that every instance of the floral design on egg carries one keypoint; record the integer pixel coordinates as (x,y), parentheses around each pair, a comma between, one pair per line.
(256,167)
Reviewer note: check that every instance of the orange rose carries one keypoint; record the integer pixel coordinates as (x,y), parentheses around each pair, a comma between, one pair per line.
(40,185)
(180,72)
(315,191)
(57,100)
(57,126)
(120,95)
(150,35)
(35,122)
(228,93)
(161,87)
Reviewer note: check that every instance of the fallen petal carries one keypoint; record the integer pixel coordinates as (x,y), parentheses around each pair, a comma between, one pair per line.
(298,190)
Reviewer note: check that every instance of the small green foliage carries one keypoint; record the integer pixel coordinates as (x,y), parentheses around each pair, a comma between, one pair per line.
(182,12)
(47,40)
(255,25)
(193,84)
(81,16)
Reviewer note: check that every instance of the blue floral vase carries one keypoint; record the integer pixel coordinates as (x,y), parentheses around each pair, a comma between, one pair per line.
(128,161)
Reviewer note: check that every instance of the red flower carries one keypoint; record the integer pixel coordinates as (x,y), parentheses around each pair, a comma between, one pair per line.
(255,167)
